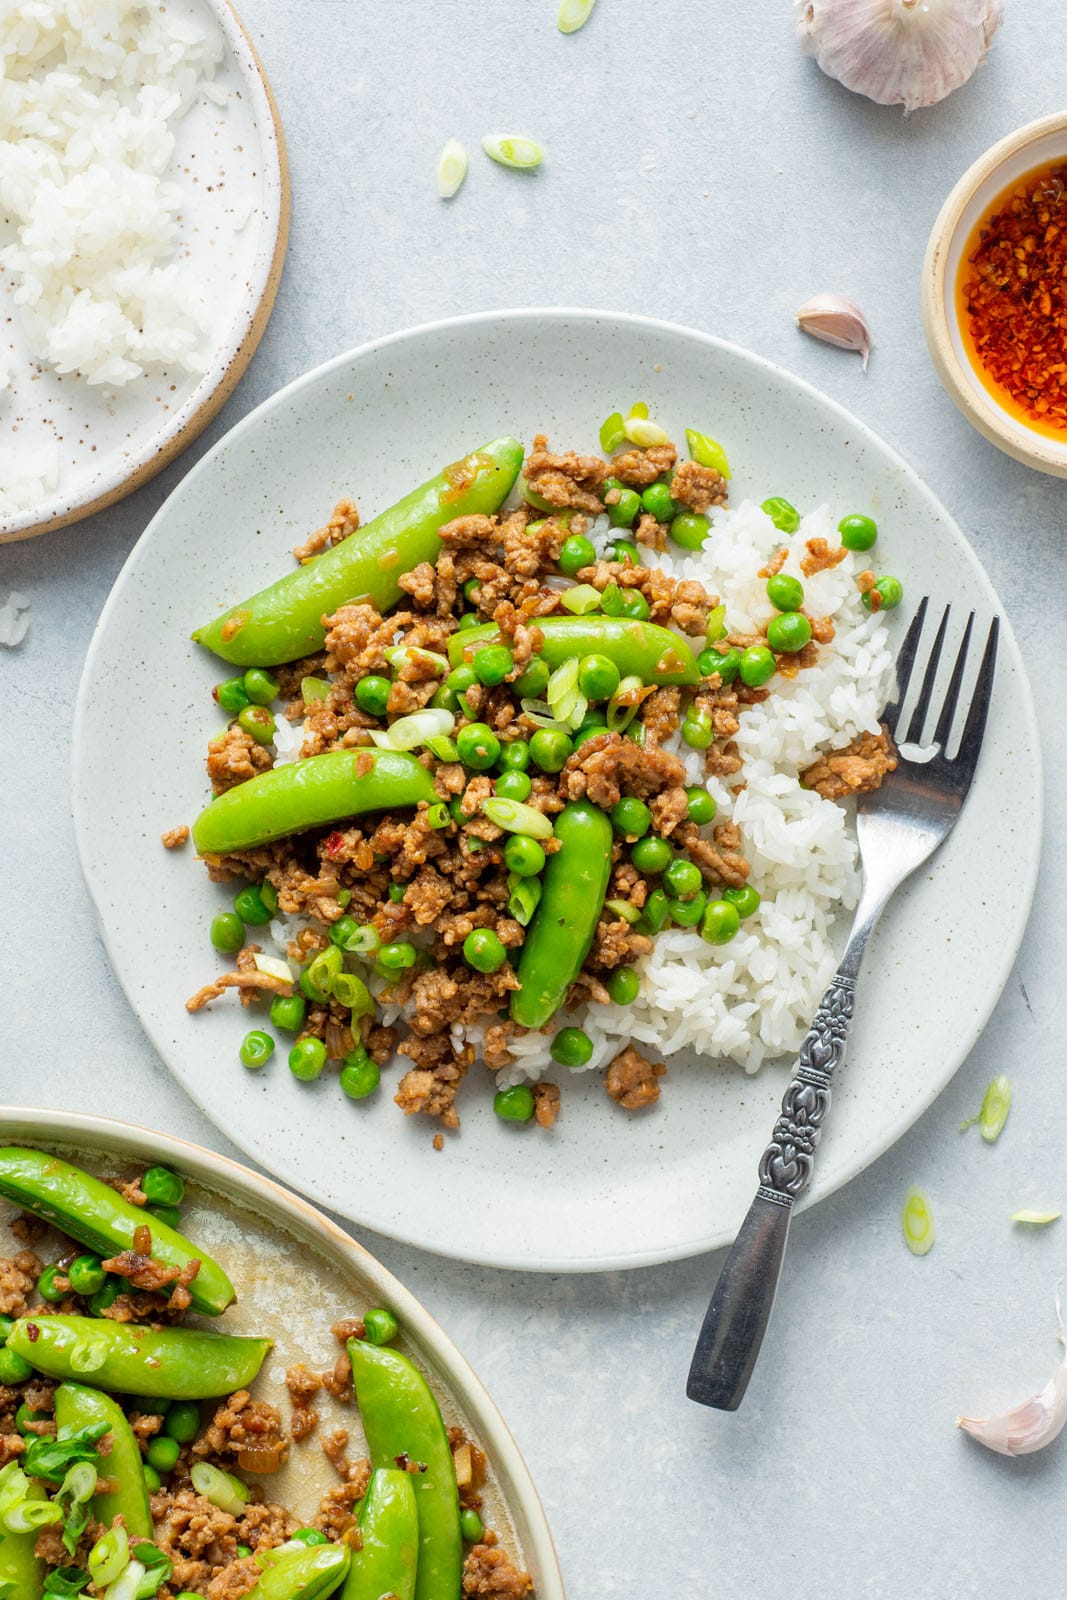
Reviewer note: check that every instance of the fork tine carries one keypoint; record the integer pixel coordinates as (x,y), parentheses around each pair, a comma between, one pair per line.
(974,727)
(905,663)
(922,705)
(948,711)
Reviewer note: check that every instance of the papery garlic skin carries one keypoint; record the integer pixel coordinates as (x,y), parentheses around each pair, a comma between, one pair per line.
(898,52)
(836,321)
(1030,1426)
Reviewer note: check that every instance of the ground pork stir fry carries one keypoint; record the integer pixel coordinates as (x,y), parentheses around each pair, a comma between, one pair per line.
(168,1483)
(536,691)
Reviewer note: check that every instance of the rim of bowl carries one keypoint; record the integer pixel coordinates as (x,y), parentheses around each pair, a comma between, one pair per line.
(290,1211)
(977,404)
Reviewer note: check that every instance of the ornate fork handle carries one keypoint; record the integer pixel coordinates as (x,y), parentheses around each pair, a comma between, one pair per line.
(788,1162)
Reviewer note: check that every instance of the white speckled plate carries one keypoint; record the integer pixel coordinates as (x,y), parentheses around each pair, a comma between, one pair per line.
(604,1189)
(296,1273)
(230,161)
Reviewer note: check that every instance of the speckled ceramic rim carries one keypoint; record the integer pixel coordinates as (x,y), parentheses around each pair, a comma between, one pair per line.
(978,186)
(295,1215)
(163,446)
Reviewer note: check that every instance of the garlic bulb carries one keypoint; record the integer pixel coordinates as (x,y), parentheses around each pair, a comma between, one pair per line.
(898,52)
(1032,1425)
(835,320)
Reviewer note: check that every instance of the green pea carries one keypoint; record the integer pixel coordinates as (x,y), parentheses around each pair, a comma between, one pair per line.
(397,891)
(571,1047)
(786,518)
(231,695)
(470,590)
(634,605)
(513,785)
(258,723)
(858,532)
(745,901)
(287,1012)
(227,932)
(577,552)
(689,529)
(25,1415)
(598,677)
(397,957)
(701,808)
(483,950)
(153,1483)
(757,666)
(624,552)
(99,1302)
(588,730)
(307,1059)
(524,856)
(478,746)
(469,619)
(624,986)
(549,749)
(6,1325)
(14,1370)
(789,632)
(630,817)
(46,1286)
(471,1525)
(251,907)
(269,896)
(243,1551)
(380,1326)
(652,854)
(372,694)
(697,730)
(721,922)
(681,879)
(785,592)
(515,1104)
(515,756)
(260,687)
(622,513)
(162,1187)
(360,1076)
(728,666)
(310,1536)
(493,663)
(183,1421)
(162,1453)
(891,591)
(86,1275)
(534,681)
(257,1048)
(687,913)
(344,928)
(443,699)
(656,500)
(461,678)
(167,1214)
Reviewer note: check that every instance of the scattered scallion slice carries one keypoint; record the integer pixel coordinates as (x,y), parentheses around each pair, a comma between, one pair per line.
(523,899)
(918,1222)
(643,433)
(274,967)
(513,150)
(438,815)
(312,689)
(1036,1219)
(716,628)
(364,941)
(639,409)
(563,695)
(451,169)
(623,909)
(995,1107)
(574,14)
(707,452)
(353,993)
(399,654)
(626,701)
(407,732)
(224,1491)
(516,817)
(580,600)
(111,1553)
(539,712)
(612,429)
(444,749)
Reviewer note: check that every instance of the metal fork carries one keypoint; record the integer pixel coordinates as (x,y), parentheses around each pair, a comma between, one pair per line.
(899,825)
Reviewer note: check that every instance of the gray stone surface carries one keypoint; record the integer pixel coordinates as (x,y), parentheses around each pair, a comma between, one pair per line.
(698,169)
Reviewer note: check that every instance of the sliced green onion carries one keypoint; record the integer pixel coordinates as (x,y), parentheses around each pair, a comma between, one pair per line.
(324,968)
(451,168)
(513,150)
(517,817)
(443,748)
(1036,1219)
(221,1488)
(580,600)
(364,941)
(612,431)
(623,909)
(399,654)
(626,701)
(565,700)
(638,409)
(995,1108)
(127,1586)
(707,452)
(716,628)
(27,1515)
(643,433)
(523,899)
(407,732)
(274,967)
(574,14)
(918,1222)
(438,815)
(353,993)
(312,689)
(110,1555)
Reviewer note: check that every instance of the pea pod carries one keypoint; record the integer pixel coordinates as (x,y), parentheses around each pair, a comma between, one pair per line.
(76,1407)
(284,622)
(401,1418)
(166,1363)
(644,649)
(94,1214)
(309,1574)
(389,1527)
(21,1574)
(306,794)
(560,936)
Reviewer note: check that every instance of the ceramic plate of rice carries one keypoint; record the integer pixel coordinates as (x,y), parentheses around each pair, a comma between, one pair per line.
(143,222)
(640,1108)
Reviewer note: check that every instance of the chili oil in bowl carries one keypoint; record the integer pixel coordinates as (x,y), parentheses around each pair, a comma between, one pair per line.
(994,294)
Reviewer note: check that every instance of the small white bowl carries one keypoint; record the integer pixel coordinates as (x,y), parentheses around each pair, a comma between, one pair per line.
(1038,144)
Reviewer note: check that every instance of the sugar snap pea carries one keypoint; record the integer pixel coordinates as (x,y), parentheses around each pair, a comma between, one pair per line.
(386,1562)
(78,1406)
(164,1363)
(308,1574)
(560,935)
(401,1419)
(97,1216)
(644,649)
(309,793)
(21,1573)
(284,621)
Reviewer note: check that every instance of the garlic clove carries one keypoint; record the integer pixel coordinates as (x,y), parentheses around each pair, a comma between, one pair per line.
(1030,1426)
(898,52)
(836,321)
